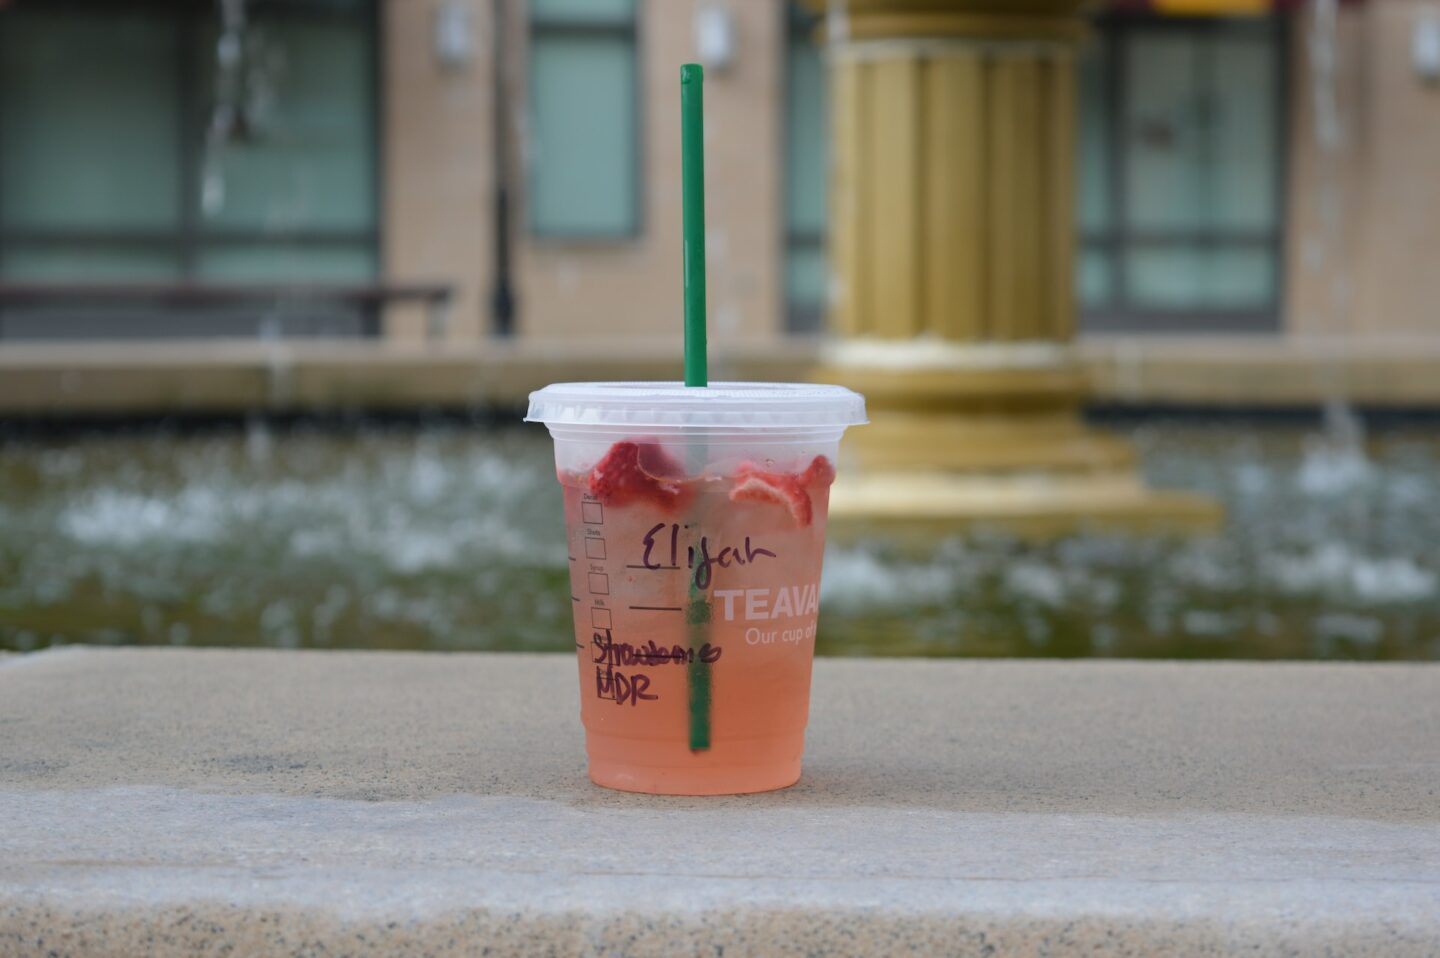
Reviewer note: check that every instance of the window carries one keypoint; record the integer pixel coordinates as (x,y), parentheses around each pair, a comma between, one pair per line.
(805,175)
(307,174)
(583,172)
(73,89)
(114,164)
(1179,175)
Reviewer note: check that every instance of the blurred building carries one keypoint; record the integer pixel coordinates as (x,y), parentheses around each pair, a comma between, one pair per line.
(1273,172)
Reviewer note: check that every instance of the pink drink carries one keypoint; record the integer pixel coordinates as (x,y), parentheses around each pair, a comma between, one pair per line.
(695,578)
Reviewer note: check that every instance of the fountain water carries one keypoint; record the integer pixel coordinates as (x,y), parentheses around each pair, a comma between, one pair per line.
(443,538)
(1337,459)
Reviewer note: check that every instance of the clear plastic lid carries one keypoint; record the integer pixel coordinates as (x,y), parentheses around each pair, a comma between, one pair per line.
(719,405)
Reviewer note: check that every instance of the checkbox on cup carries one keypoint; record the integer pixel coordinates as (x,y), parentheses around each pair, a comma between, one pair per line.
(592,513)
(599,583)
(594,548)
(600,619)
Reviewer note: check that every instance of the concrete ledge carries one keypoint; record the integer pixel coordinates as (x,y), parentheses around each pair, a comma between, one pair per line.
(312,376)
(165,802)
(1262,371)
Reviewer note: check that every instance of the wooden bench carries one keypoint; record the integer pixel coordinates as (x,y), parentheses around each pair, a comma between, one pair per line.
(367,297)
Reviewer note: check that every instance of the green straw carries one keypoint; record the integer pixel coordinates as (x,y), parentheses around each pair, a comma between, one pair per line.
(692,175)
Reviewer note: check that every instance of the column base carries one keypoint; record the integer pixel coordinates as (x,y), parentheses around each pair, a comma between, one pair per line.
(999,441)
(986,435)
(1038,506)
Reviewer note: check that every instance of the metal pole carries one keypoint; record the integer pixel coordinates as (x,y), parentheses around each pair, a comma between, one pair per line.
(503,297)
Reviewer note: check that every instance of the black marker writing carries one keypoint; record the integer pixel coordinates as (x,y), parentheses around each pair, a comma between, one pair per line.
(705,563)
(606,651)
(698,557)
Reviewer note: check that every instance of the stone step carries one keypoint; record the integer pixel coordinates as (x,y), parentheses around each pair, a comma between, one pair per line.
(169,802)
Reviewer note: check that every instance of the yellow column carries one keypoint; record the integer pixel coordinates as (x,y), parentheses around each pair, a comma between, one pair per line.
(953,164)
(951,242)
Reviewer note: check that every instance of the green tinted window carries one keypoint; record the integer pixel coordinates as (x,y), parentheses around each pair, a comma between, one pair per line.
(583,176)
(97,264)
(1244,132)
(111,169)
(276,261)
(1094,284)
(805,175)
(589,11)
(1178,175)
(1196,278)
(1163,130)
(307,161)
(89,122)
(804,136)
(1092,155)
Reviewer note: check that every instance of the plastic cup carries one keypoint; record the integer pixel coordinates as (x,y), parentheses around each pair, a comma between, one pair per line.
(696,527)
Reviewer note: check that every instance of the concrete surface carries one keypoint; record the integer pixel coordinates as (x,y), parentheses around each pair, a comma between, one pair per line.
(165,802)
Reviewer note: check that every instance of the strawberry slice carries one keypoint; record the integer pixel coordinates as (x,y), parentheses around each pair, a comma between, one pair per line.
(656,463)
(778,488)
(820,472)
(635,471)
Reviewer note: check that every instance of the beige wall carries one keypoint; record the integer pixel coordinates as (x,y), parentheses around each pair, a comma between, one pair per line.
(1369,265)
(633,286)
(439,158)
(1381,277)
